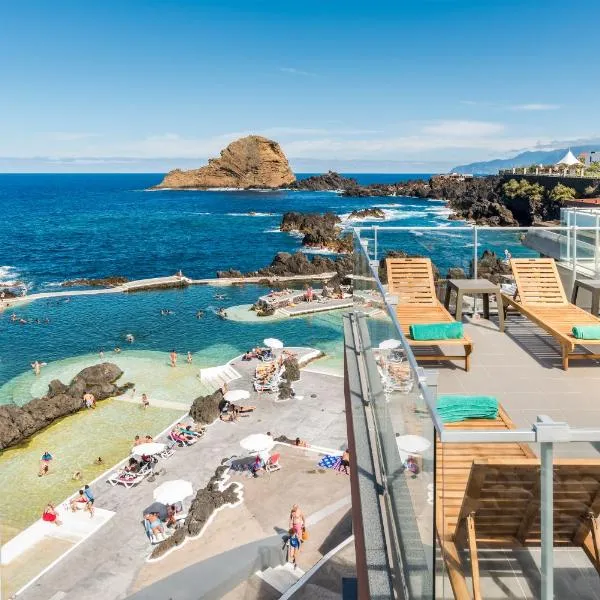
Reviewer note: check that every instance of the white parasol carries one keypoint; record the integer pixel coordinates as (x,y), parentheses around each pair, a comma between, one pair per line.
(257,442)
(273,343)
(170,492)
(235,395)
(149,449)
(390,344)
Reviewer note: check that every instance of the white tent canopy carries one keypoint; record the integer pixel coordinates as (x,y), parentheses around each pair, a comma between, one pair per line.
(568,159)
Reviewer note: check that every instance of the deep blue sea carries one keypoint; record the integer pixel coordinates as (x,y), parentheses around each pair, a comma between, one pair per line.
(59,227)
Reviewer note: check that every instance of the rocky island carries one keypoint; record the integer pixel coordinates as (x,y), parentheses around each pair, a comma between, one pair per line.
(250,162)
(320,231)
(17,423)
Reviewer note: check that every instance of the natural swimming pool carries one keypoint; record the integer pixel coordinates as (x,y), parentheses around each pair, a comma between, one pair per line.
(70,342)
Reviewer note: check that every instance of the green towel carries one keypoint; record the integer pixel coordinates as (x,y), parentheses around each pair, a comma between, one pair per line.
(436,331)
(453,408)
(586,332)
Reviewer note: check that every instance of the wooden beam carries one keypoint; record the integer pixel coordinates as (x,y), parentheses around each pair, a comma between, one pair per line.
(595,531)
(584,528)
(474,558)
(531,512)
(592,542)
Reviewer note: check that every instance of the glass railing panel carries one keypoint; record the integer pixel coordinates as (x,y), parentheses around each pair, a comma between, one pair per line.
(404,429)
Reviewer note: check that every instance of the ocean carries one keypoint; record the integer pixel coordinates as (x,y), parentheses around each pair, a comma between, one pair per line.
(59,227)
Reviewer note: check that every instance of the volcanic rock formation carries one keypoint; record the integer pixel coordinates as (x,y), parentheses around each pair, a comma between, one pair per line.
(19,422)
(250,162)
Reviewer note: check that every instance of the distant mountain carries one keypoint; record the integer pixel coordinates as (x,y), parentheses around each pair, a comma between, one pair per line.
(525,159)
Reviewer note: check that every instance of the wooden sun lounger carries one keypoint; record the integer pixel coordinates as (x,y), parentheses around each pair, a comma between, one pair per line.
(411,280)
(541,298)
(485,500)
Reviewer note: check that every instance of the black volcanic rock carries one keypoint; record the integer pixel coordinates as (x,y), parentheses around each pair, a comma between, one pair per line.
(491,267)
(307,222)
(206,409)
(17,423)
(329,181)
(367,213)
(285,264)
(320,231)
(100,282)
(206,502)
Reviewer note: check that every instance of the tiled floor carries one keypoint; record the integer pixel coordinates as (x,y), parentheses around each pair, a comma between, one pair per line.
(522,368)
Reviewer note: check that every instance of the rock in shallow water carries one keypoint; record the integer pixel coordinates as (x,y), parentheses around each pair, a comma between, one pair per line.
(17,423)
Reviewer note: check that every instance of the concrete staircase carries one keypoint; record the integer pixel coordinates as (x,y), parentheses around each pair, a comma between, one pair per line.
(215,377)
(281,577)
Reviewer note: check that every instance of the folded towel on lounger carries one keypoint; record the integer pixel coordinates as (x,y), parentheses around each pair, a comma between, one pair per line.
(453,408)
(436,331)
(586,332)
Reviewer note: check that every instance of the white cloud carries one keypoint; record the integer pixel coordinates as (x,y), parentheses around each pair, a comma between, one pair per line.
(451,140)
(463,128)
(293,71)
(536,106)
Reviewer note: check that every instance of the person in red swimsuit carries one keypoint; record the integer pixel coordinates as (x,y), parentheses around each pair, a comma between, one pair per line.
(50,515)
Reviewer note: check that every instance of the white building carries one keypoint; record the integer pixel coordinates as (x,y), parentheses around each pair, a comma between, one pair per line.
(592,157)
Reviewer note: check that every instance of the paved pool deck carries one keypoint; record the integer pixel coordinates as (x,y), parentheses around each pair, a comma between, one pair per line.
(522,368)
(107,564)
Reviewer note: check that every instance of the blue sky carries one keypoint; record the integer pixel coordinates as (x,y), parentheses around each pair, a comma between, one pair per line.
(127,85)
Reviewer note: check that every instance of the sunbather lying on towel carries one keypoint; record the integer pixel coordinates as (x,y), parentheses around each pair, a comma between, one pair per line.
(230,412)
(156,525)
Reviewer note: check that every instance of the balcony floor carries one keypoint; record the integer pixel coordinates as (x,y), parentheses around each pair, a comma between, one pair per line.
(522,368)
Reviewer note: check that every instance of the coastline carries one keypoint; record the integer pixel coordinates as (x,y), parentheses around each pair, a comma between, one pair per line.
(162,283)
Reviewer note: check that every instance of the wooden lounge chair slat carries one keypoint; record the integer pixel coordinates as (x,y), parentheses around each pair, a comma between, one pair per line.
(542,300)
(411,280)
(500,497)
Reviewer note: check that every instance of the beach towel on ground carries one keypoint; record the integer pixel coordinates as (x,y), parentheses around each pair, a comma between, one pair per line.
(330,461)
(586,332)
(454,408)
(436,331)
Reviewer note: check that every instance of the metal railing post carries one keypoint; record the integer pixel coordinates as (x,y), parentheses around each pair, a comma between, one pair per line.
(474,251)
(574,256)
(375,228)
(568,234)
(596,244)
(547,519)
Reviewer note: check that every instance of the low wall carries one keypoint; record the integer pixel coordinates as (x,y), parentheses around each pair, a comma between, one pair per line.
(214,577)
(579,184)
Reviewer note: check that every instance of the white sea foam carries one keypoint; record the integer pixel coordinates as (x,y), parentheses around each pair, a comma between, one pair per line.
(222,189)
(9,275)
(274,230)
(438,210)
(391,214)
(254,214)
(309,250)
(417,233)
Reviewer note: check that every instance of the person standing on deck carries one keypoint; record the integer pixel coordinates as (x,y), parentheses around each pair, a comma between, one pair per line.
(189,358)
(173,356)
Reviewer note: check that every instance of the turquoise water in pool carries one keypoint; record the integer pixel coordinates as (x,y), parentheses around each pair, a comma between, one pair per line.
(78,329)
(86,324)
